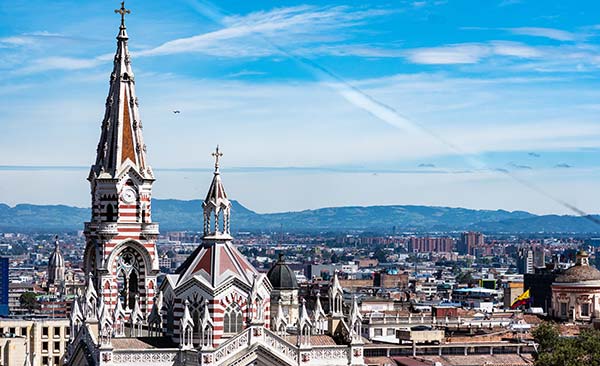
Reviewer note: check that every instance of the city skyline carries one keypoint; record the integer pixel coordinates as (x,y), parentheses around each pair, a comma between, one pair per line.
(312,104)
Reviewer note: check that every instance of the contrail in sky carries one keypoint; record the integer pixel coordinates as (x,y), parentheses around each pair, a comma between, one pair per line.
(380,110)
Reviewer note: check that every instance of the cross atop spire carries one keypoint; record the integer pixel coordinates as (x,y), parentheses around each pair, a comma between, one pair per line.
(122,11)
(217,154)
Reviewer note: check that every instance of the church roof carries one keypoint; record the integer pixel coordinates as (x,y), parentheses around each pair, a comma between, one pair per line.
(580,272)
(121,144)
(215,263)
(281,275)
(56,258)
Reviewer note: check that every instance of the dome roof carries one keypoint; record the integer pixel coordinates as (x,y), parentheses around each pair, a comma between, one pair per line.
(56,259)
(281,276)
(579,273)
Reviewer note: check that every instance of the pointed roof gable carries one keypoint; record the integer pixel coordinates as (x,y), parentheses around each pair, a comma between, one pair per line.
(121,139)
(215,263)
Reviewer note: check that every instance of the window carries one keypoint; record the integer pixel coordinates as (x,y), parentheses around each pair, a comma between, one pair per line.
(128,269)
(45,332)
(391,332)
(44,346)
(233,321)
(563,309)
(44,361)
(67,332)
(56,346)
(12,330)
(378,332)
(585,309)
(56,332)
(56,361)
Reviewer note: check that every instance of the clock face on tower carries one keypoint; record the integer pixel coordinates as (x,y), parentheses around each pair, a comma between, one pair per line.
(128,195)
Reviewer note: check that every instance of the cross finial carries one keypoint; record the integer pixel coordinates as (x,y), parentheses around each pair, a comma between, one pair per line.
(122,11)
(217,154)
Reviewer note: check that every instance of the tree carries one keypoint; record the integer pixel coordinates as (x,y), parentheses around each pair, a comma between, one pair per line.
(28,300)
(547,336)
(555,350)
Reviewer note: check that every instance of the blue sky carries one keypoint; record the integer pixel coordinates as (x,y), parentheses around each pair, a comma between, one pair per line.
(482,104)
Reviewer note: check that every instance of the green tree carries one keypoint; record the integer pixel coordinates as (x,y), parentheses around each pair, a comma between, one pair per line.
(555,350)
(28,300)
(547,336)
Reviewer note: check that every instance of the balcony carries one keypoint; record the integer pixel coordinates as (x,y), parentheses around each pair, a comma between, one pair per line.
(150,229)
(107,229)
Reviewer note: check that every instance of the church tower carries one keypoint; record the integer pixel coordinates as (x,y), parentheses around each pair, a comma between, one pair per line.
(224,293)
(120,252)
(56,268)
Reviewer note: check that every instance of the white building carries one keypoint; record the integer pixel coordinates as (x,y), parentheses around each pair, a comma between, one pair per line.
(216,308)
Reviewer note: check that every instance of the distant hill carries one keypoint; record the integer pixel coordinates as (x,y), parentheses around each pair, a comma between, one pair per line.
(187,215)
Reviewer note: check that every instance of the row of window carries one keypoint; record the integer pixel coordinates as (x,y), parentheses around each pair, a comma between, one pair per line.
(55,361)
(56,332)
(55,346)
(584,309)
(378,332)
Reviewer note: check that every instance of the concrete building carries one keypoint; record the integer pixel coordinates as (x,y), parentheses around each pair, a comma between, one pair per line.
(468,242)
(42,341)
(428,245)
(525,264)
(511,291)
(576,292)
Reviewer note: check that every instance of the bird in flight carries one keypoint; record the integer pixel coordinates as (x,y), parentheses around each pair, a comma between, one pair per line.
(176,111)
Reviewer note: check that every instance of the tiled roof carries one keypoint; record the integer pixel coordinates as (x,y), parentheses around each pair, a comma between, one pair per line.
(315,340)
(143,343)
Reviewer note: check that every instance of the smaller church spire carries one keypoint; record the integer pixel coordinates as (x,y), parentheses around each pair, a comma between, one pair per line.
(216,205)
(186,331)
(56,266)
(304,326)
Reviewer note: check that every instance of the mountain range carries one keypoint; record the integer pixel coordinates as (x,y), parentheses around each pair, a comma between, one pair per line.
(175,215)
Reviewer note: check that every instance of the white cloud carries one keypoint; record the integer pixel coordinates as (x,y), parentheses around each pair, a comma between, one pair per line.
(503,48)
(265,32)
(59,63)
(450,54)
(556,34)
(470,53)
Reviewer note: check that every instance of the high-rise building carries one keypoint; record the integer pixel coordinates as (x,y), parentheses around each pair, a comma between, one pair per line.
(539,257)
(427,244)
(469,241)
(525,261)
(4,286)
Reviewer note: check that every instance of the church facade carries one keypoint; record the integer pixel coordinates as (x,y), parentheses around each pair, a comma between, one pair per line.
(217,309)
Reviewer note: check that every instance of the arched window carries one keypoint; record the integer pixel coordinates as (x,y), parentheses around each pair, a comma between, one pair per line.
(110,213)
(127,278)
(233,321)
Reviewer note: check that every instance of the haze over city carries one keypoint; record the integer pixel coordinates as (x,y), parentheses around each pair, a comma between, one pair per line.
(466,104)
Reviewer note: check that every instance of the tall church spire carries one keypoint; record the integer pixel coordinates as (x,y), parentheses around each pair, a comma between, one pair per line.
(121,143)
(121,237)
